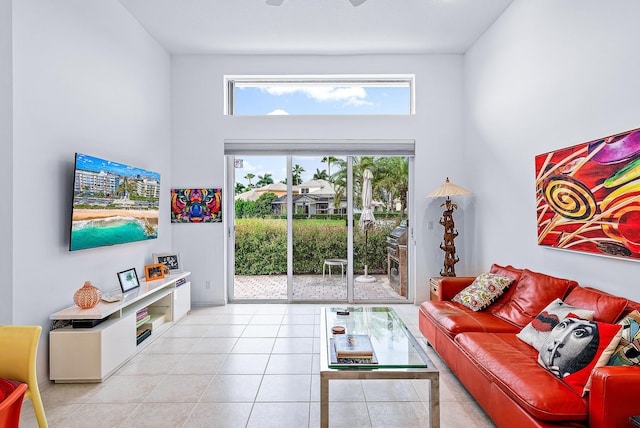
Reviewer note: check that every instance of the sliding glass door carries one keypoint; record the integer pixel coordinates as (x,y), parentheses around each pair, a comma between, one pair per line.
(319,227)
(260,229)
(320,232)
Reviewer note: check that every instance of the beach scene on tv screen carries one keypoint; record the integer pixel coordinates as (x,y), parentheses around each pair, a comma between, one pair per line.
(113,203)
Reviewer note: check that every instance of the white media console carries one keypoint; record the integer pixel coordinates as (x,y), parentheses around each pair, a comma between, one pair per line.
(92,354)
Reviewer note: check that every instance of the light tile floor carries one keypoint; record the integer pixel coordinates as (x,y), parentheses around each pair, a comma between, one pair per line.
(249,365)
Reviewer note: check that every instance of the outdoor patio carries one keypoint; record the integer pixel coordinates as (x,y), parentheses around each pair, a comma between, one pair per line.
(312,287)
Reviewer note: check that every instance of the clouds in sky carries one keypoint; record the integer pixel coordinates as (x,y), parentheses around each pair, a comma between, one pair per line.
(350,95)
(278,112)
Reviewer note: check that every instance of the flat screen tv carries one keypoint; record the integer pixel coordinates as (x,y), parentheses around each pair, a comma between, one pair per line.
(113,203)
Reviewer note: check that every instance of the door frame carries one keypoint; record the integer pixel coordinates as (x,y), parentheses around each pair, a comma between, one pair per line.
(309,147)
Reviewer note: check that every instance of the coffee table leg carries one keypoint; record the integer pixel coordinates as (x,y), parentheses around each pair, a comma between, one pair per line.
(324,401)
(435,402)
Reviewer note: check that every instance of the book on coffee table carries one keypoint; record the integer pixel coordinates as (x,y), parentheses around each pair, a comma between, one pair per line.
(353,346)
(346,361)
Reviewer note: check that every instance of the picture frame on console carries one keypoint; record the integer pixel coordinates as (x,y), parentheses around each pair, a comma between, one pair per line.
(154,271)
(128,280)
(170,260)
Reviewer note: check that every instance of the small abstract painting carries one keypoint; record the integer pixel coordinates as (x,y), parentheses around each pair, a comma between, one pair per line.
(588,196)
(196,205)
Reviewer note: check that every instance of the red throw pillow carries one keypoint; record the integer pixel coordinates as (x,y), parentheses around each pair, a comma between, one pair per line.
(575,347)
(7,386)
(533,292)
(509,272)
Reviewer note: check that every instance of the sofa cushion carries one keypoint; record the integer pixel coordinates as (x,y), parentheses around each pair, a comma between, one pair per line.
(607,308)
(512,366)
(533,292)
(7,386)
(510,272)
(483,291)
(627,352)
(538,330)
(575,347)
(454,318)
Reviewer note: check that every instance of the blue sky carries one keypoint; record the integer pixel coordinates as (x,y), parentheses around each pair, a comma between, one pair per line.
(90,163)
(324,100)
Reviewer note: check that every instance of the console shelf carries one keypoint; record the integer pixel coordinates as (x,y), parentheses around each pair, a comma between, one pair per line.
(79,355)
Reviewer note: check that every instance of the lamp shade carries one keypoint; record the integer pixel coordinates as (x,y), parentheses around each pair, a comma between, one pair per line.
(448,189)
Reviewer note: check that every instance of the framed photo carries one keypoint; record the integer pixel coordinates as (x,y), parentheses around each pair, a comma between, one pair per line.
(154,271)
(170,260)
(128,280)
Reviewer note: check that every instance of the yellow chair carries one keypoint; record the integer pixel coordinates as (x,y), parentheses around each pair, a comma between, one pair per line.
(18,350)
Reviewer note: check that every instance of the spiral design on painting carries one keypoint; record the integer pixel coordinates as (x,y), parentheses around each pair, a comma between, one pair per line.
(569,197)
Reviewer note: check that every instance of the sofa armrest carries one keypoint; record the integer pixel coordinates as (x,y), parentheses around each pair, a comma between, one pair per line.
(613,396)
(450,286)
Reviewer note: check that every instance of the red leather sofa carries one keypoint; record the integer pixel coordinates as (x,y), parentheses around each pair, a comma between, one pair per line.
(502,372)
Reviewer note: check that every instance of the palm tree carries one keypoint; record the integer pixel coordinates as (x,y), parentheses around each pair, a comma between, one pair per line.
(328,160)
(393,182)
(264,180)
(339,181)
(248,177)
(296,173)
(321,175)
(240,188)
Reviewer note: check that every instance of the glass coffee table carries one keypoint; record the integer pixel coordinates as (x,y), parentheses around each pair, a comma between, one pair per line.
(397,353)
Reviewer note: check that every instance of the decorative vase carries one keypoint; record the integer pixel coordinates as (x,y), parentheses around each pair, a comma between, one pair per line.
(87,296)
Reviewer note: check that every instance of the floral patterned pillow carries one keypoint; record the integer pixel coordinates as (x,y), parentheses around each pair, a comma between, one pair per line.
(484,290)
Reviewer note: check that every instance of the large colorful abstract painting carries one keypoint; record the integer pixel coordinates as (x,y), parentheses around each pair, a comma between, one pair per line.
(588,197)
(196,205)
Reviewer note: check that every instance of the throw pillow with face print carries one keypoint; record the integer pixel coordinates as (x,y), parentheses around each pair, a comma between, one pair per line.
(575,347)
(537,331)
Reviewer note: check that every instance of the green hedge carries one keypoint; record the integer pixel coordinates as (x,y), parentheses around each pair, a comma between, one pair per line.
(261,246)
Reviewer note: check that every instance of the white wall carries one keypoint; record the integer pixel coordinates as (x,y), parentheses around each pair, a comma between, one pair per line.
(199,129)
(547,75)
(6,159)
(87,78)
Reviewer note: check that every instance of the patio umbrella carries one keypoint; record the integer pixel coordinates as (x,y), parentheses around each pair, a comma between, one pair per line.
(367,220)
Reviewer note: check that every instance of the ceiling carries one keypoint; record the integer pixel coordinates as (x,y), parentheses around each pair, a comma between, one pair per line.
(316,26)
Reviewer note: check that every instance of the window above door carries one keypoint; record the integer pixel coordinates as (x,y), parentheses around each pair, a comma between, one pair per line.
(320,95)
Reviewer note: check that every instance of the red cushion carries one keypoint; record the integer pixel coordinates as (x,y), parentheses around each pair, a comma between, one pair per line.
(533,292)
(7,386)
(512,366)
(456,318)
(608,308)
(510,272)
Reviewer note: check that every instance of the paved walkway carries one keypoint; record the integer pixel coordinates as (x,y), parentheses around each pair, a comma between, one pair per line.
(312,287)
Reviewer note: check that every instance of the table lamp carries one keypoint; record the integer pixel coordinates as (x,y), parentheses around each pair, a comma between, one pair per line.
(447,190)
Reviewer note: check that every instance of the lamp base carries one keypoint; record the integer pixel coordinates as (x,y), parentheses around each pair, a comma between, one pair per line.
(449,248)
